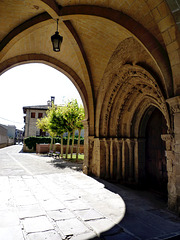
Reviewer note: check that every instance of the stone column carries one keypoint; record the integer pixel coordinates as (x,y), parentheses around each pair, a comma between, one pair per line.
(107,159)
(111,158)
(136,161)
(173,157)
(87,148)
(123,158)
(119,158)
(170,158)
(130,143)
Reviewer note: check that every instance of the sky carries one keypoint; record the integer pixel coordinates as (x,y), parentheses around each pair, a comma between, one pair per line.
(32,84)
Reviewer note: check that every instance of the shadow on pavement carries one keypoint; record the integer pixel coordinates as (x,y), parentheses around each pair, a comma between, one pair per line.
(146,217)
(63,163)
(146,214)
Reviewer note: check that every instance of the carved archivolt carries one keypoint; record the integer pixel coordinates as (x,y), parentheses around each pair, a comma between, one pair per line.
(131,92)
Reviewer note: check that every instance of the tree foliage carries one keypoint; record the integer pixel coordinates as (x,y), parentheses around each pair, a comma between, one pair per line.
(61,119)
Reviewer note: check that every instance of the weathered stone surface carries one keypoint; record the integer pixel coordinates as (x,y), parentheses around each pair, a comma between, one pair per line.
(52,204)
(37,224)
(9,218)
(77,205)
(72,227)
(61,214)
(25,200)
(48,235)
(86,236)
(30,211)
(100,225)
(11,233)
(105,200)
(89,214)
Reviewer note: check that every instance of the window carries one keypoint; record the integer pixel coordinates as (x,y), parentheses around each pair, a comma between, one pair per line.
(40,115)
(33,115)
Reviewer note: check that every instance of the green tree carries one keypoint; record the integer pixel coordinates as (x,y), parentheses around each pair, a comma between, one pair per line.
(63,119)
(71,115)
(46,124)
(80,126)
(43,124)
(58,123)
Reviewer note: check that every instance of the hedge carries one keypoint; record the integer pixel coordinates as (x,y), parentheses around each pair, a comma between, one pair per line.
(31,141)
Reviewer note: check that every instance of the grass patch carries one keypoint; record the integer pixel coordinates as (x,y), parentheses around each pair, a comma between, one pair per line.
(73,159)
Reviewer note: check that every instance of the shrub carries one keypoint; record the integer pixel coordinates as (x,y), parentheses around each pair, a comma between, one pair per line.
(31,141)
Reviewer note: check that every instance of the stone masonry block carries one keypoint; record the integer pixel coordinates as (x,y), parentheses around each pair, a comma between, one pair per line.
(153,3)
(52,235)
(30,211)
(11,233)
(89,214)
(72,227)
(61,214)
(37,224)
(166,23)
(163,9)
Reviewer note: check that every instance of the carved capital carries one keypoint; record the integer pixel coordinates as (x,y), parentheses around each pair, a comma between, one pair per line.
(169,140)
(174,104)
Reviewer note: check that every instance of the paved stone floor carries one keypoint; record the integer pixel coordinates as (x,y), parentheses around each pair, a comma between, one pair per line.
(45,199)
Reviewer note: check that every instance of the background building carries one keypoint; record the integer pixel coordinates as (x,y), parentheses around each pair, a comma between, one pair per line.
(7,133)
(32,113)
(3,136)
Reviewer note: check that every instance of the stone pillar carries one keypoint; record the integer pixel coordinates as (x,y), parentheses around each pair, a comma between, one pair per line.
(107,159)
(136,161)
(170,158)
(173,157)
(119,159)
(123,158)
(130,143)
(111,158)
(87,148)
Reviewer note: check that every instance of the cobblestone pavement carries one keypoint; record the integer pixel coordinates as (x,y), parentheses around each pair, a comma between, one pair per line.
(45,199)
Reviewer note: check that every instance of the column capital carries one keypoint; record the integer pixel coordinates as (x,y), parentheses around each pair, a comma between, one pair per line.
(85,123)
(169,140)
(174,104)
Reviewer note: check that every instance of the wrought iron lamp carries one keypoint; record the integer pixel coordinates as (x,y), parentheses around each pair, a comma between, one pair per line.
(56,40)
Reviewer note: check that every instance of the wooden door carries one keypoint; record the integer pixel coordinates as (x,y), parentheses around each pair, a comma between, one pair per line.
(155,163)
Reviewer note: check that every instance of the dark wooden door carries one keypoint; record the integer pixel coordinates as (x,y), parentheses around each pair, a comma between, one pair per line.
(155,165)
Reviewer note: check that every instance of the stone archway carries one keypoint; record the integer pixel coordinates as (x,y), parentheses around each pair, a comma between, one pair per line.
(119,153)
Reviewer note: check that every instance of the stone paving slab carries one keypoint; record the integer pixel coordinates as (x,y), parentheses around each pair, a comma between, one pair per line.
(61,214)
(11,233)
(9,218)
(85,236)
(29,211)
(101,225)
(88,214)
(48,235)
(37,224)
(70,227)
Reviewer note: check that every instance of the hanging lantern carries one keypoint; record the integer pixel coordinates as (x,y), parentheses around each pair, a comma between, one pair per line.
(56,40)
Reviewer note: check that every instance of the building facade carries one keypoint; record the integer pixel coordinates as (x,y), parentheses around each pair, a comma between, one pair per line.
(32,114)
(3,137)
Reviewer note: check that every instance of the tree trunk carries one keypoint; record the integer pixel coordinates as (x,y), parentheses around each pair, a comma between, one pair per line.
(61,145)
(77,151)
(67,147)
(51,144)
(72,147)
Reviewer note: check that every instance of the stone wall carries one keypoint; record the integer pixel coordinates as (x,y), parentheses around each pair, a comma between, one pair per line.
(30,124)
